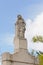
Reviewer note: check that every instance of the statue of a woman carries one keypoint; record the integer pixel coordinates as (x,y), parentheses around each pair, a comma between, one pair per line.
(20,27)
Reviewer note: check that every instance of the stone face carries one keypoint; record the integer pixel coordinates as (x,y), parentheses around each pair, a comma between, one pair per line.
(21,55)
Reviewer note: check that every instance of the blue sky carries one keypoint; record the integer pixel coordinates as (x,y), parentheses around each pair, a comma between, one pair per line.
(9,9)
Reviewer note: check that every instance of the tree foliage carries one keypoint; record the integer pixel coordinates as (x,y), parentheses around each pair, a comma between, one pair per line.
(37,39)
(40,56)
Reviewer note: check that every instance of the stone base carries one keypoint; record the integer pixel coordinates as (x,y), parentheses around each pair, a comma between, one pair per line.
(20,58)
(20,43)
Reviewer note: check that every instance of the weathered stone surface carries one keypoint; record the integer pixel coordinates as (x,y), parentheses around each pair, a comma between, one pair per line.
(6,56)
(23,56)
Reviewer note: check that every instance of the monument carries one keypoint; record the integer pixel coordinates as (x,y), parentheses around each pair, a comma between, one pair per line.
(21,55)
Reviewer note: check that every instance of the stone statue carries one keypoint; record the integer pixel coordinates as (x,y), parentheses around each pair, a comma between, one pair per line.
(20,27)
(21,56)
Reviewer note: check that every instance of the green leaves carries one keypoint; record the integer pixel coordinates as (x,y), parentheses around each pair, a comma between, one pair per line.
(40,56)
(34,39)
(37,39)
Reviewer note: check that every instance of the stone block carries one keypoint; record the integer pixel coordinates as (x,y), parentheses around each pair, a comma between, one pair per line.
(6,56)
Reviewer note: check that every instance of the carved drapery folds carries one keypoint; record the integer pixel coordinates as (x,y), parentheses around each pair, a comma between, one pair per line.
(20,27)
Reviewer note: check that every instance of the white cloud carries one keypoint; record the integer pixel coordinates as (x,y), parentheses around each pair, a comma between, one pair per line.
(33,28)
